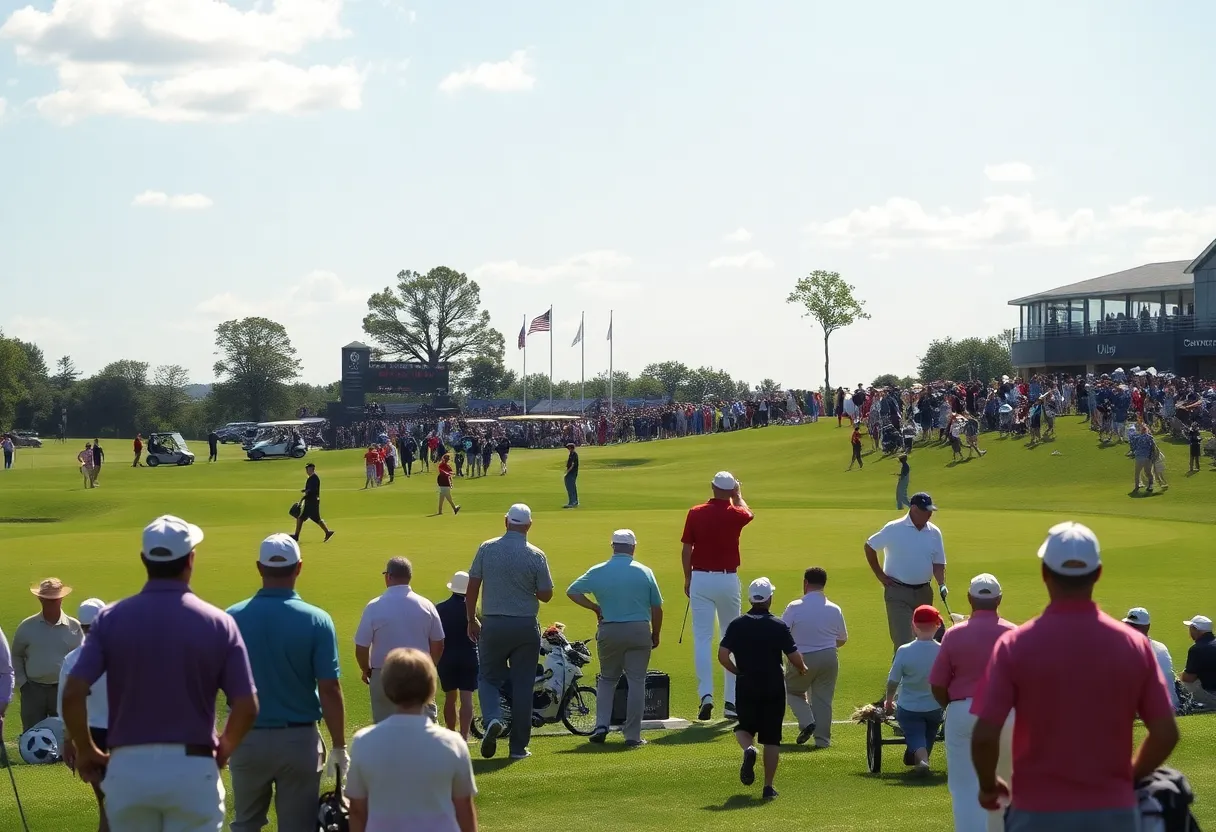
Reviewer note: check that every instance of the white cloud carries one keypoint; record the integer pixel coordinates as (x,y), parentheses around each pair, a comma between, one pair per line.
(11,82)
(589,267)
(739,235)
(318,293)
(1009,172)
(183,60)
(511,75)
(176,202)
(751,260)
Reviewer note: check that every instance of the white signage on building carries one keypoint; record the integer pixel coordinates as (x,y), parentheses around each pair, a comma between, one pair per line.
(1106,349)
(1201,343)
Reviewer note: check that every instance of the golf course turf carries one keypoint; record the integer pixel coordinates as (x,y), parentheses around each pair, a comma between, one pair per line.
(994,514)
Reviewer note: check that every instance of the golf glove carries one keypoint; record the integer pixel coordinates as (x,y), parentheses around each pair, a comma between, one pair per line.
(943,591)
(338,761)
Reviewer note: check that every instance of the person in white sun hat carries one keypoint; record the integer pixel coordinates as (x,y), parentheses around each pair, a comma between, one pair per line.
(97,705)
(1139,620)
(711,579)
(1199,677)
(960,664)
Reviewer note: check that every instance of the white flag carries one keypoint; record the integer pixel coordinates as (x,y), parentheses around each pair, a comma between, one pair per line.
(610,329)
(579,336)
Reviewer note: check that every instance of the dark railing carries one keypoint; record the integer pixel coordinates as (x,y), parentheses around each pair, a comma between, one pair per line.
(1117,326)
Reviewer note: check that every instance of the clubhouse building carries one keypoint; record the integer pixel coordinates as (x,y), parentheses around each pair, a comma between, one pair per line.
(1159,315)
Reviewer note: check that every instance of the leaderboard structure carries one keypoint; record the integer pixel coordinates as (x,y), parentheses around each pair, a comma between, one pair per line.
(1160,315)
(362,377)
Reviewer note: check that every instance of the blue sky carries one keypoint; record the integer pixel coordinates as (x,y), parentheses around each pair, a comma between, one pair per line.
(165,165)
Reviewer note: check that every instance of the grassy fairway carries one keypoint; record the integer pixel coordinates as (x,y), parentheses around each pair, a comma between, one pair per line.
(996,511)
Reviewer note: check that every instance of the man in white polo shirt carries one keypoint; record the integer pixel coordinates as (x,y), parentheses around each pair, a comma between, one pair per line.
(817,626)
(399,617)
(913,556)
(1139,620)
(97,705)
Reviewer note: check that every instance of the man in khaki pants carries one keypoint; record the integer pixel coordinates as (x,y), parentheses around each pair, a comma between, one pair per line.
(913,555)
(818,628)
(630,611)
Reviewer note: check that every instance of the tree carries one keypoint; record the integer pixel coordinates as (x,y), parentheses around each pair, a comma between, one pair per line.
(831,303)
(65,373)
(169,396)
(484,377)
(434,318)
(597,388)
(768,387)
(257,362)
(13,366)
(892,380)
(37,401)
(966,360)
(706,383)
(647,387)
(671,375)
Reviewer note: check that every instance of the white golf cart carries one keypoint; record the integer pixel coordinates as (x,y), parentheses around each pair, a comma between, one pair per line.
(282,440)
(167,448)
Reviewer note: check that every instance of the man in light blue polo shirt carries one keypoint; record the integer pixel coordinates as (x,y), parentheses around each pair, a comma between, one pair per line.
(630,611)
(293,650)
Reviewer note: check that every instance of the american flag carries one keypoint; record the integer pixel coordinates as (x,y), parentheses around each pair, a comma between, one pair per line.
(523,338)
(541,323)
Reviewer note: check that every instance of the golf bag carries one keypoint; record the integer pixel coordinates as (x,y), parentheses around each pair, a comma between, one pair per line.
(1165,802)
(892,440)
(41,744)
(333,814)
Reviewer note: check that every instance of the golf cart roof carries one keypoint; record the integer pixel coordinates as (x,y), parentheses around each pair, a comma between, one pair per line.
(480,421)
(175,434)
(540,417)
(292,423)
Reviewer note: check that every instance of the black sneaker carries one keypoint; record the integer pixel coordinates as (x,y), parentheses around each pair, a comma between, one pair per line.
(328,535)
(456,510)
(747,772)
(707,708)
(489,742)
(729,712)
(599,734)
(805,734)
(769,792)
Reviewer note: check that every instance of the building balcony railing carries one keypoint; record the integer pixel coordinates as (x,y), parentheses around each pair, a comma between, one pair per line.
(1115,326)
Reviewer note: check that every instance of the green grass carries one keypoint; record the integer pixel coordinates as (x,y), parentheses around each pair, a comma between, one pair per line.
(995,512)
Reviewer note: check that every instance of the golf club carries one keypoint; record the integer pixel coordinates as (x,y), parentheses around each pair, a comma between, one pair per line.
(4,761)
(687,604)
(949,615)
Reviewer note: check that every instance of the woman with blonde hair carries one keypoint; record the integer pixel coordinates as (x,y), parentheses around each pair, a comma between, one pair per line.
(407,772)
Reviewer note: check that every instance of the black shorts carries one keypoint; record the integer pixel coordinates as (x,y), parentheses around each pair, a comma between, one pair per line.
(761,715)
(99,738)
(310,511)
(458,674)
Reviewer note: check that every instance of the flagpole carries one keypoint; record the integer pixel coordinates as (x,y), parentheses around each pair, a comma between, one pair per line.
(524,329)
(550,359)
(610,344)
(582,372)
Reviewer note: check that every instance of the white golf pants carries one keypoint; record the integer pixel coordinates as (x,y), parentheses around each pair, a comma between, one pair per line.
(712,596)
(157,788)
(969,815)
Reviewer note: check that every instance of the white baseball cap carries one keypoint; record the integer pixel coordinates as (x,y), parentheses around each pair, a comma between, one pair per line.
(89,608)
(279,550)
(1201,623)
(1071,549)
(984,586)
(626,537)
(519,515)
(459,583)
(760,590)
(169,538)
(725,481)
(1138,615)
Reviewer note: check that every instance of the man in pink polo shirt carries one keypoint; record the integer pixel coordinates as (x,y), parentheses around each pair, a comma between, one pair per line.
(960,664)
(1075,766)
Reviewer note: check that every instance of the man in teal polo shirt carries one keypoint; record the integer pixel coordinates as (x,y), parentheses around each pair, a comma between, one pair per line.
(630,611)
(293,650)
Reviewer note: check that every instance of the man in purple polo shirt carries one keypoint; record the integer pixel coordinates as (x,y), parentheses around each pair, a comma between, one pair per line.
(166,654)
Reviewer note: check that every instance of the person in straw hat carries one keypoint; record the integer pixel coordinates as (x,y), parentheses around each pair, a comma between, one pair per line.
(40,644)
(458,665)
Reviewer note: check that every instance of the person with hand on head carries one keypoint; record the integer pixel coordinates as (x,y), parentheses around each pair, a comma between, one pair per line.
(752,648)
(629,610)
(166,654)
(1076,771)
(1199,677)
(511,577)
(960,664)
(1139,620)
(913,556)
(97,706)
(293,651)
(711,579)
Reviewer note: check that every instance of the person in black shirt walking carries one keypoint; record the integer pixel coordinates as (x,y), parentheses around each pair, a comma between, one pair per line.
(751,648)
(213,447)
(503,448)
(457,666)
(901,487)
(310,506)
(99,457)
(571,477)
(1193,439)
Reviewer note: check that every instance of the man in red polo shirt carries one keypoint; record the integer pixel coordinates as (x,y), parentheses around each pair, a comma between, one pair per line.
(711,580)
(1074,764)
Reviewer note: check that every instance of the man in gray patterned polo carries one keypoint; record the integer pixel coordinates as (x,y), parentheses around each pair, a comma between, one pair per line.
(513,576)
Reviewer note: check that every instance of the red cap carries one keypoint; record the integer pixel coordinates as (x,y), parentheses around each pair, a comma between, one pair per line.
(926,614)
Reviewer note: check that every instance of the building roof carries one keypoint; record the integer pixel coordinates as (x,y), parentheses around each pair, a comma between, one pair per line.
(1202,260)
(1151,277)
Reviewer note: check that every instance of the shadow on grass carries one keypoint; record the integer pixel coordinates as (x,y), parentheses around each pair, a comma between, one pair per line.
(605,748)
(737,801)
(695,734)
(484,766)
(905,779)
(1137,493)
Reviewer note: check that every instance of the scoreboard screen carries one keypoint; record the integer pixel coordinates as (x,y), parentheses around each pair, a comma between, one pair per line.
(405,377)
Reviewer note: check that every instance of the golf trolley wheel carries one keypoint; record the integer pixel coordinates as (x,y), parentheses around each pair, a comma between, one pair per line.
(578,711)
(874,747)
(478,726)
(153,462)
(298,453)
(256,455)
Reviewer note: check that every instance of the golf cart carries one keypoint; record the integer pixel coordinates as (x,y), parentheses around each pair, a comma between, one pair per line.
(283,440)
(167,448)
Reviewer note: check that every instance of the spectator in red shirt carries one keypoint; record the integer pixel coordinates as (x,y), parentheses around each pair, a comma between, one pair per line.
(855,439)
(370,459)
(139,450)
(711,580)
(1075,768)
(445,484)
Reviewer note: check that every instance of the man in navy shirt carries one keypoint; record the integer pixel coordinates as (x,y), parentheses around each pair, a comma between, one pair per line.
(571,477)
(458,665)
